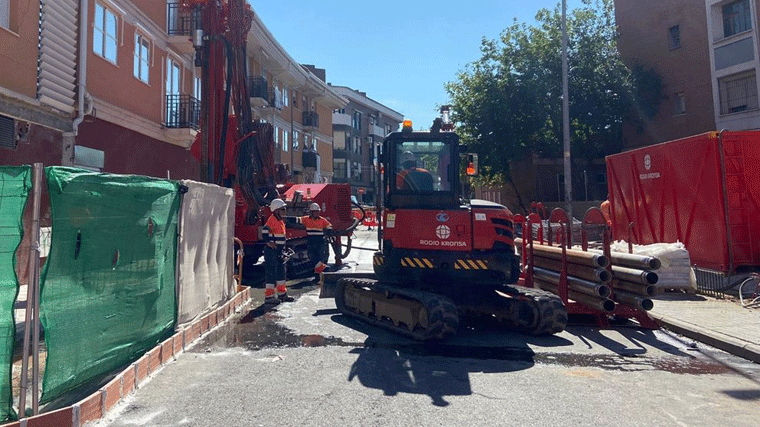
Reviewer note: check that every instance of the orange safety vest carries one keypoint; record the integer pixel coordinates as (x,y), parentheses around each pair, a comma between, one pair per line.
(274,230)
(607,211)
(315,227)
(401,178)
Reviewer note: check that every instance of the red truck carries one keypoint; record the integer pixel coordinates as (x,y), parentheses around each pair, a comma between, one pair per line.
(703,191)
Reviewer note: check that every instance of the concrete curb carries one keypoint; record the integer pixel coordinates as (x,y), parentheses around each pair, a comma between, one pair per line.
(716,339)
(98,404)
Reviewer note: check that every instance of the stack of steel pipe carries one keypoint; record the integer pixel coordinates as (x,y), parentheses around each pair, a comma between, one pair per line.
(587,277)
(633,279)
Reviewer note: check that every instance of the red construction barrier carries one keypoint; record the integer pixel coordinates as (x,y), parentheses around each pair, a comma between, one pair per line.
(370,220)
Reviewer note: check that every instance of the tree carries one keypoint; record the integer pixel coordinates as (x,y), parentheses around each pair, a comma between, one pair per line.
(508,104)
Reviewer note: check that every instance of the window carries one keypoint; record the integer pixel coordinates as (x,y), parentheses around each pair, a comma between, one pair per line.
(339,140)
(314,144)
(285,141)
(104,33)
(277,96)
(675,37)
(285,93)
(679,106)
(296,139)
(174,115)
(197,89)
(423,166)
(142,58)
(5,13)
(357,122)
(339,168)
(737,17)
(357,144)
(295,99)
(738,93)
(387,129)
(276,137)
(8,133)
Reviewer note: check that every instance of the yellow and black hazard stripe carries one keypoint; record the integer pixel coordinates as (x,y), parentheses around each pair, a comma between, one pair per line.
(378,259)
(470,264)
(413,262)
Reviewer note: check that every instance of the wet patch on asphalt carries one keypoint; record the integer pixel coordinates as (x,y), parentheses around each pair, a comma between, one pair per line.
(259,329)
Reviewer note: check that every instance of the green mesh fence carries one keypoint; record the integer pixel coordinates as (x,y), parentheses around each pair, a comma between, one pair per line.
(108,294)
(15,183)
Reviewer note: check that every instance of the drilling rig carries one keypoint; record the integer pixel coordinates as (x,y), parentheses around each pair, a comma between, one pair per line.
(237,151)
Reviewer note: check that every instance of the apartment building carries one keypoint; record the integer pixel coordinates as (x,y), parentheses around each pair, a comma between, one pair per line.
(358,129)
(706,53)
(669,37)
(111,85)
(732,34)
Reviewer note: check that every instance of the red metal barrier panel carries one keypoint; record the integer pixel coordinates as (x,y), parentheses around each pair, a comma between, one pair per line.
(675,192)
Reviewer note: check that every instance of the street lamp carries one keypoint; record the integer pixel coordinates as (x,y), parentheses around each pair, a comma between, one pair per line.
(566,121)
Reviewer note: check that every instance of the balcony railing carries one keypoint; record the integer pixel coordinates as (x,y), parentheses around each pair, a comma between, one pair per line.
(341,119)
(310,119)
(182,112)
(376,131)
(181,22)
(259,88)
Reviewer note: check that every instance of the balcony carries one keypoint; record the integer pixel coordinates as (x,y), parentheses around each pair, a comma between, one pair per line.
(375,130)
(310,159)
(341,119)
(182,112)
(259,90)
(180,25)
(310,120)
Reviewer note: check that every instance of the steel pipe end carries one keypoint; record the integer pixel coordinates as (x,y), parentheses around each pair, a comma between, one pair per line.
(646,304)
(605,276)
(603,261)
(651,277)
(608,305)
(604,291)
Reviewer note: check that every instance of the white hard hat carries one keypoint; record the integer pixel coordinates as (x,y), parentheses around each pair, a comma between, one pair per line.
(407,156)
(276,204)
(314,207)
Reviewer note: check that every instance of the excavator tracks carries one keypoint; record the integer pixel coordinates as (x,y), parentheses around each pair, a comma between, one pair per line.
(528,310)
(417,314)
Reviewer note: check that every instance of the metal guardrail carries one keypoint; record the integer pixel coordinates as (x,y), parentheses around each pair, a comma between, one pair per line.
(310,119)
(182,111)
(258,87)
(180,22)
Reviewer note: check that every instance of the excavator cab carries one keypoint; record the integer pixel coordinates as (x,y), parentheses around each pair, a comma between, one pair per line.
(421,170)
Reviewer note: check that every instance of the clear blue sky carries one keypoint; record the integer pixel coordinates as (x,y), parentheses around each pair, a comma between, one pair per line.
(400,53)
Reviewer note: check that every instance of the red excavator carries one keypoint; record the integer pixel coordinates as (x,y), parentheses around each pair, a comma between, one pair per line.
(237,151)
(441,257)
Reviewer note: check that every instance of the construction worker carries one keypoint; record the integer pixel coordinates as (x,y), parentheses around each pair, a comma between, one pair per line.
(316,228)
(274,263)
(411,177)
(607,211)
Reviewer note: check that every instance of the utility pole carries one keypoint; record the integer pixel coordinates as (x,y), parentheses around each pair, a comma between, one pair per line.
(566,121)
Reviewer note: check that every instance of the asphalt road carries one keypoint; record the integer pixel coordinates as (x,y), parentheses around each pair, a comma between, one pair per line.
(303,363)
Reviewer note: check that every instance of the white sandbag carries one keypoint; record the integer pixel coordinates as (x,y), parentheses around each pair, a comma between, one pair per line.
(676,271)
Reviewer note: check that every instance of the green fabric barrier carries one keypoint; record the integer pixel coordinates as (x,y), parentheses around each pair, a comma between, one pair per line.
(15,183)
(109,292)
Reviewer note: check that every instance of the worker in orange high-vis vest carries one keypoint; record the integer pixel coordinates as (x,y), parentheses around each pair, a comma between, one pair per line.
(606,208)
(316,228)
(274,264)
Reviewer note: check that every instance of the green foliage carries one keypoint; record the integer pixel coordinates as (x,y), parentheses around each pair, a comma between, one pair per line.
(508,104)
